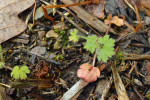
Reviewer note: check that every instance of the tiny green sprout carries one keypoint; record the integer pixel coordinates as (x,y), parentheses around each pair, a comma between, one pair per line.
(103,46)
(56,30)
(120,55)
(74,37)
(59,57)
(20,72)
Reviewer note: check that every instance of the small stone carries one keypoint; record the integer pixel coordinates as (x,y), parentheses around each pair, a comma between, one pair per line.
(57,45)
(43,43)
(41,34)
(51,33)
(38,50)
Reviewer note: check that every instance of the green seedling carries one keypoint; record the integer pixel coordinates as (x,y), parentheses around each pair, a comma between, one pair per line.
(20,72)
(59,57)
(73,35)
(103,46)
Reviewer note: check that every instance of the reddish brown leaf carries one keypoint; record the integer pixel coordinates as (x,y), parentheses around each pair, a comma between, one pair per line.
(88,72)
(41,69)
(84,70)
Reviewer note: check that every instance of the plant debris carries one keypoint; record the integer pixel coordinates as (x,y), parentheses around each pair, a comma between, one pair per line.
(83,50)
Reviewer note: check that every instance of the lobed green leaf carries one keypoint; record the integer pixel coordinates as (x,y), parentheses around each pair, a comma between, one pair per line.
(74,37)
(16,76)
(25,69)
(107,49)
(20,72)
(23,76)
(91,43)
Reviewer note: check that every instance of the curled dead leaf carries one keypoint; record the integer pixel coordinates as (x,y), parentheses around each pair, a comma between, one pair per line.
(115,20)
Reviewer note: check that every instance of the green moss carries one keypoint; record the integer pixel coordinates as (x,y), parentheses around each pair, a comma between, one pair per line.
(120,57)
(59,57)
(64,37)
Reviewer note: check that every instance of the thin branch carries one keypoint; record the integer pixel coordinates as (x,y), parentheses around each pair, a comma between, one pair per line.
(34,12)
(72,22)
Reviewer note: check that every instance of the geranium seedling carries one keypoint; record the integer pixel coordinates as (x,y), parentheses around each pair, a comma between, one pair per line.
(20,72)
(88,72)
(102,46)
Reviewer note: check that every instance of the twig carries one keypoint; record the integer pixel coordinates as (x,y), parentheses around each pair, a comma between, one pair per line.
(133,66)
(121,91)
(46,14)
(106,90)
(108,29)
(124,35)
(74,89)
(137,92)
(93,29)
(126,23)
(88,18)
(54,9)
(116,49)
(138,18)
(136,56)
(126,1)
(81,29)
(94,58)
(68,10)
(5,85)
(34,12)
(109,20)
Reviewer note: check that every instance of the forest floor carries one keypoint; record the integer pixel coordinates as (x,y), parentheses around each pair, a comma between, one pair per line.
(52,52)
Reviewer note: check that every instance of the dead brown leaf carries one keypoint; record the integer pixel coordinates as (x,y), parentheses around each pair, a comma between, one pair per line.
(115,20)
(98,10)
(10,24)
